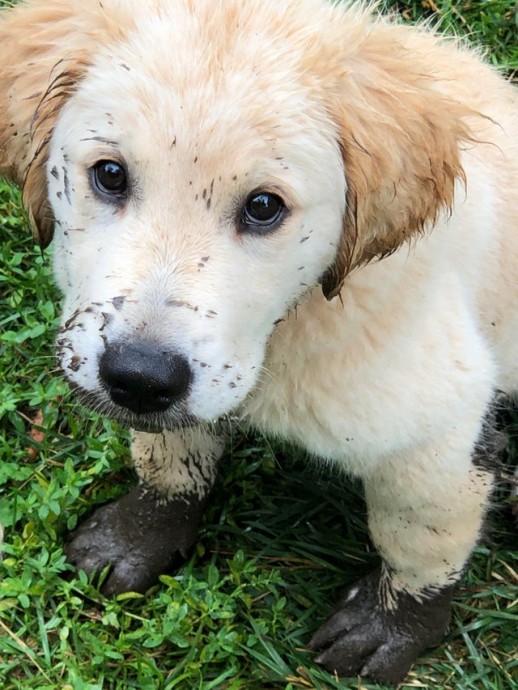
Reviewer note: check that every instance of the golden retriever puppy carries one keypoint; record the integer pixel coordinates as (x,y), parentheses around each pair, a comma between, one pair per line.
(296,213)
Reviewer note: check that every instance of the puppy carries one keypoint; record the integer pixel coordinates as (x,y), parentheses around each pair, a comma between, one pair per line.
(292,212)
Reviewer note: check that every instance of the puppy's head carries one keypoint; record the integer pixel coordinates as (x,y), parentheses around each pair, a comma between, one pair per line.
(203,168)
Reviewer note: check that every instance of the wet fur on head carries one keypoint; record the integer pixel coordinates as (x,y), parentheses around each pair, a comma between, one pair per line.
(45,49)
(399,138)
(401,144)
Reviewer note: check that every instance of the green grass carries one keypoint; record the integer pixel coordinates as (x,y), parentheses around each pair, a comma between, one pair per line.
(278,543)
(491,24)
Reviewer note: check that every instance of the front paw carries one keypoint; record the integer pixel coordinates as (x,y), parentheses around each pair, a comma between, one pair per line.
(379,633)
(138,536)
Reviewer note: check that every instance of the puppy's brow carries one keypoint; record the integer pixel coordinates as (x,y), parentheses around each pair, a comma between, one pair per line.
(102,140)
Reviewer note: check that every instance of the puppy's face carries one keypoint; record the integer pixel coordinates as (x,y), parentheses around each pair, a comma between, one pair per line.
(202,166)
(194,205)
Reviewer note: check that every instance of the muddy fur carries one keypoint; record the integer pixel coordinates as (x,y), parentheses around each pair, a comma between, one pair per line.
(296,213)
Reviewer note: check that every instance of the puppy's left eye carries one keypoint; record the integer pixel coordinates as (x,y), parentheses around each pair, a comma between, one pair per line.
(262,212)
(110,179)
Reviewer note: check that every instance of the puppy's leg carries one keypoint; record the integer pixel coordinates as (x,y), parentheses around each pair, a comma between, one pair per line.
(426,509)
(150,530)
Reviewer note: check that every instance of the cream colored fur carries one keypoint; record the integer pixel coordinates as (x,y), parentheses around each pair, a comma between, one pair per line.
(384,141)
(179,462)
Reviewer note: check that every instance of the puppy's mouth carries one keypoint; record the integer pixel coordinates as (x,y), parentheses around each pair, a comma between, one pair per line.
(99,401)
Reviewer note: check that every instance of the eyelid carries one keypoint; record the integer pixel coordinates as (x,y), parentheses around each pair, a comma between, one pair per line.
(102,152)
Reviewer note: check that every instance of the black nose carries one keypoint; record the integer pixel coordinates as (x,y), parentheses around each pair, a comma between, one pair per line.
(143,377)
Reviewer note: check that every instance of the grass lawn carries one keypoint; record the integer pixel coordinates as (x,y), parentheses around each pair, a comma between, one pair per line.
(279,541)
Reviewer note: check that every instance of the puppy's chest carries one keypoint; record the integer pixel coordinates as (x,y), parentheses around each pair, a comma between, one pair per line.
(359,382)
(336,398)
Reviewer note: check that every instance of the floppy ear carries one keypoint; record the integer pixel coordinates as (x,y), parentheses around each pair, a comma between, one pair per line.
(45,49)
(401,141)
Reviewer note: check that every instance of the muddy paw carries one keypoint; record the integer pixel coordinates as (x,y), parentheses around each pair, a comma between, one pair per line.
(378,633)
(138,536)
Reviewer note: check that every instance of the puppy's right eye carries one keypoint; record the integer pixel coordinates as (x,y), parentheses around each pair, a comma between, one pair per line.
(263,212)
(109,178)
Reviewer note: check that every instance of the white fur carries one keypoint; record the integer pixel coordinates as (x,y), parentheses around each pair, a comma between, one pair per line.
(392,378)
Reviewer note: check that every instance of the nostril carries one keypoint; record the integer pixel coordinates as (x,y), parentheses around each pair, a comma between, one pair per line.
(143,377)
(163,397)
(160,401)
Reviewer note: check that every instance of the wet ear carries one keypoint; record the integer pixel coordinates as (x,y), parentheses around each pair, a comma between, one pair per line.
(33,86)
(401,141)
(45,48)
